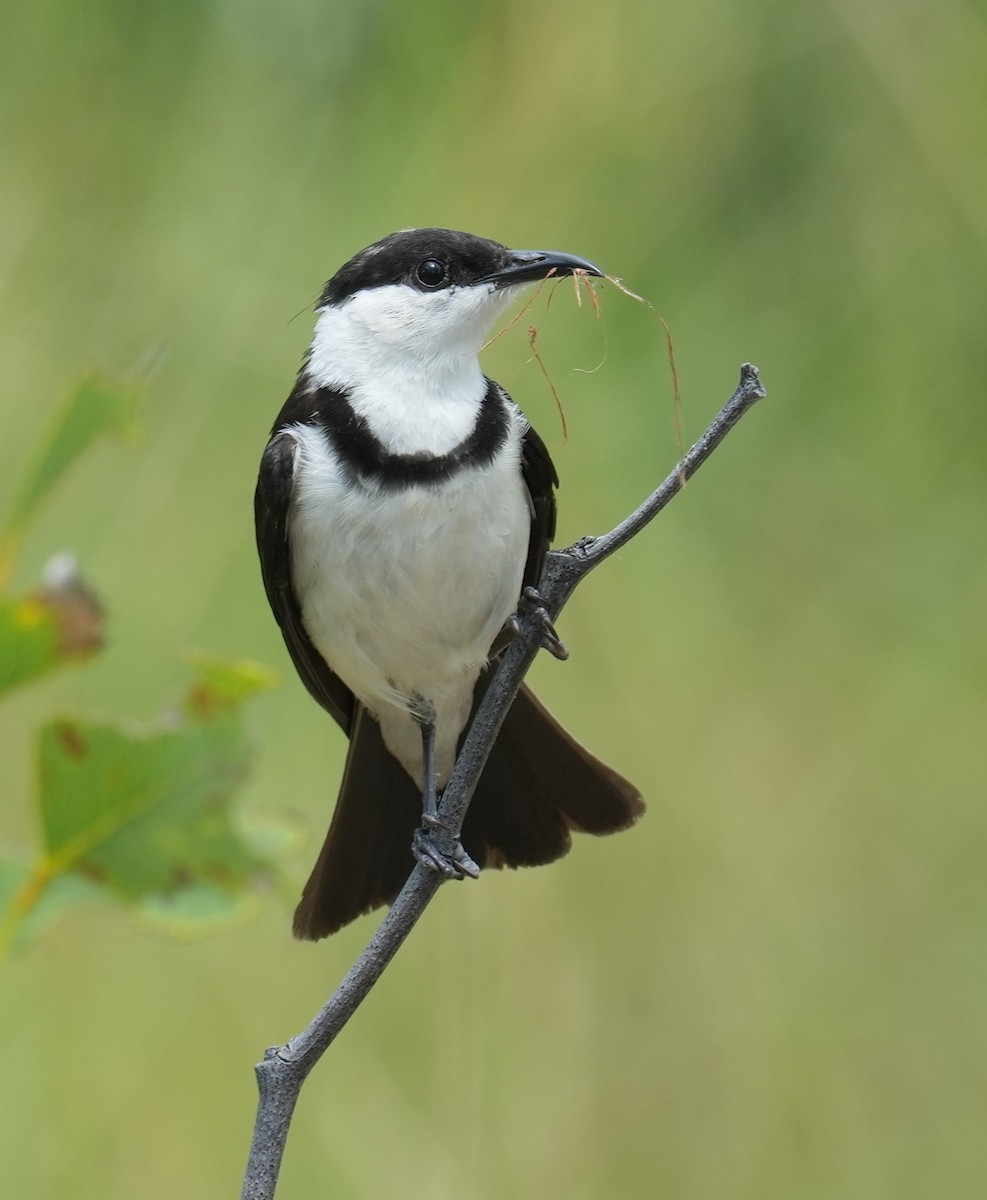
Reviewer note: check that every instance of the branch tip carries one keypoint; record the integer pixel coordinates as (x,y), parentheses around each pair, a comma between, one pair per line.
(750,380)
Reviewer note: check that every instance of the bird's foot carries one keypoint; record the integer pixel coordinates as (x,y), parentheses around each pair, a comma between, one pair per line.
(531,604)
(431,846)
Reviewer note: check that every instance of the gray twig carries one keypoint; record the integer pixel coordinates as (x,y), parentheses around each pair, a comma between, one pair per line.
(284,1069)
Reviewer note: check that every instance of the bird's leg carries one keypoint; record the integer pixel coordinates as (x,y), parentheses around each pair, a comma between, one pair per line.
(531,604)
(425,717)
(433,844)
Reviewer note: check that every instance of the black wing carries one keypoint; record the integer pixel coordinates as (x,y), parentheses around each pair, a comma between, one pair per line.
(272,502)
(541,480)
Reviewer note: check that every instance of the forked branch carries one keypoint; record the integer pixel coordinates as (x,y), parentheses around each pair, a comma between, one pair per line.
(284,1069)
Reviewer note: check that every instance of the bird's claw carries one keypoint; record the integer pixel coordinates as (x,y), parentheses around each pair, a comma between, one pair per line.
(532,605)
(452,864)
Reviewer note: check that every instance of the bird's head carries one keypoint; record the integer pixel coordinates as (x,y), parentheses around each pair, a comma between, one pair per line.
(426,297)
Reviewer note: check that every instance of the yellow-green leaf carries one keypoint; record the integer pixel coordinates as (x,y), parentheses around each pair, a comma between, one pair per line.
(28,640)
(30,901)
(229,681)
(60,623)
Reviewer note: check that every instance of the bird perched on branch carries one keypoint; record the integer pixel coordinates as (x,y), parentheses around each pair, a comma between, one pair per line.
(403,507)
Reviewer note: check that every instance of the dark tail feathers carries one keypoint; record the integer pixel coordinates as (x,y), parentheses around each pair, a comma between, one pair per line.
(538,785)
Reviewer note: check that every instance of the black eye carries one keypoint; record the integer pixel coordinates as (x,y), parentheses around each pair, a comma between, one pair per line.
(431,273)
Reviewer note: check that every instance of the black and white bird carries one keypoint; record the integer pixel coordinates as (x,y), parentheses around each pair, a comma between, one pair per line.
(404,503)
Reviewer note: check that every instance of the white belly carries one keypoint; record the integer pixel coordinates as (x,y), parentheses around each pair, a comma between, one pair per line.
(404,591)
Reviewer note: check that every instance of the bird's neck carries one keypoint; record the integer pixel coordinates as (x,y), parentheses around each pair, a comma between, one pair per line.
(415,399)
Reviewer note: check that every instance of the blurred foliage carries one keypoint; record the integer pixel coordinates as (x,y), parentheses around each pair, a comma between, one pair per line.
(28,640)
(140,816)
(95,408)
(145,816)
(62,621)
(773,986)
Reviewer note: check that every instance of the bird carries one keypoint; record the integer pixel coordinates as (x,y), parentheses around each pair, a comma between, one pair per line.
(404,506)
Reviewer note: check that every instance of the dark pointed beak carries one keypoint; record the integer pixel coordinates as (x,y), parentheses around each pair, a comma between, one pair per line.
(527,266)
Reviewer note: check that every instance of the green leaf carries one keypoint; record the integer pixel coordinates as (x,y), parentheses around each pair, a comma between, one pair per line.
(97,407)
(144,816)
(60,623)
(230,682)
(28,640)
(274,835)
(13,877)
(198,911)
(31,902)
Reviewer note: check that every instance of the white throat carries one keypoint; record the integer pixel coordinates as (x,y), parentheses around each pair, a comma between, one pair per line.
(408,361)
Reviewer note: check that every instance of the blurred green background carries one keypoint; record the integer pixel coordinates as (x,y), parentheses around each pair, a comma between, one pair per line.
(775,986)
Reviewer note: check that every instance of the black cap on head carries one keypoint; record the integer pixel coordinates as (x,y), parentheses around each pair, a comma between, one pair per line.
(397,258)
(430,260)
